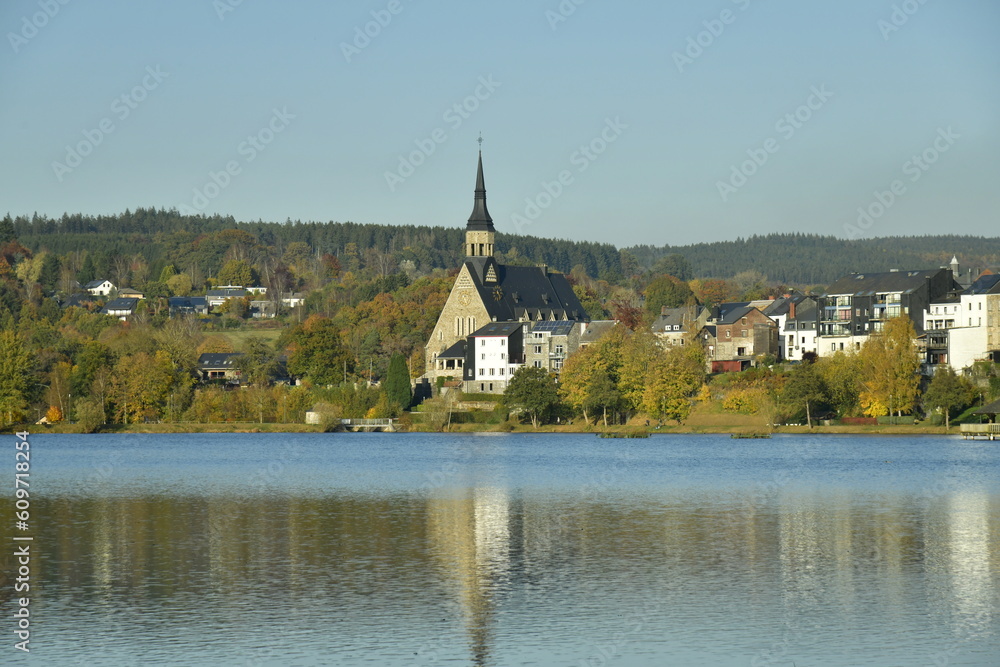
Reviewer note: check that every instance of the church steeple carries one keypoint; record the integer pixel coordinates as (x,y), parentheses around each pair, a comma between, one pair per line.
(479,232)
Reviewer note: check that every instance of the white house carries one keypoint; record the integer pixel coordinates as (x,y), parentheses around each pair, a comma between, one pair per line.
(493,355)
(99,287)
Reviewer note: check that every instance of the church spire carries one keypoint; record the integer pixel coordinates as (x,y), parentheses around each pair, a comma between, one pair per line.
(480,234)
(480,219)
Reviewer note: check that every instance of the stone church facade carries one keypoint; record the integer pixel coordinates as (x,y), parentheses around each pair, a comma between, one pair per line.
(486,291)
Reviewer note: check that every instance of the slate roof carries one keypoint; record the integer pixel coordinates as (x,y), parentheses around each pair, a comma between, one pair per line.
(596,330)
(228,293)
(870,284)
(96,283)
(218,360)
(456,351)
(671,317)
(988,284)
(524,291)
(733,316)
(187,302)
(989,409)
(557,328)
(498,329)
(128,304)
(724,308)
(80,300)
(480,219)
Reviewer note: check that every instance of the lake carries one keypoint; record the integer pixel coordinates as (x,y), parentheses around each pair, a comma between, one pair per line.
(516,549)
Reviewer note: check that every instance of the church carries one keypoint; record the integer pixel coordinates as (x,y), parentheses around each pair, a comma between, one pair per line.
(485,305)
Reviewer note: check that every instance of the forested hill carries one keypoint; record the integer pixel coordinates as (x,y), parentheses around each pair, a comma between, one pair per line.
(806,259)
(163,235)
(157,234)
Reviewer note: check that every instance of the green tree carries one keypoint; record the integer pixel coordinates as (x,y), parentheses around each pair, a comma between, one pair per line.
(841,374)
(397,383)
(87,271)
(7,231)
(947,392)
(533,391)
(666,291)
(17,378)
(805,390)
(674,265)
(167,273)
(889,365)
(673,382)
(179,284)
(238,272)
(318,352)
(259,362)
(49,276)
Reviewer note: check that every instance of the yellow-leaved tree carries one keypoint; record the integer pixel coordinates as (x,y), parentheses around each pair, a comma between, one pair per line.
(888,366)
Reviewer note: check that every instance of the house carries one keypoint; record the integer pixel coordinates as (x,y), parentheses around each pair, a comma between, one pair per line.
(130,293)
(293,299)
(675,326)
(859,304)
(493,354)
(121,308)
(80,300)
(961,328)
(797,318)
(740,335)
(187,305)
(594,331)
(263,309)
(216,297)
(548,344)
(219,366)
(486,292)
(99,287)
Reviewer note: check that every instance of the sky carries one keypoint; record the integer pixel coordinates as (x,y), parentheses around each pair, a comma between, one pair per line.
(627,123)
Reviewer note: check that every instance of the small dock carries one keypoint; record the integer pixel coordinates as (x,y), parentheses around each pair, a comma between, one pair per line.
(750,436)
(975,431)
(631,434)
(386,425)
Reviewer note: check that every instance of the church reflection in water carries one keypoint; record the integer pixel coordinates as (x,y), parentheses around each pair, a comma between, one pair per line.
(374,564)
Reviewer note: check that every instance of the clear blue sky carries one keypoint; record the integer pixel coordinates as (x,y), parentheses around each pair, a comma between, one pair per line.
(678,130)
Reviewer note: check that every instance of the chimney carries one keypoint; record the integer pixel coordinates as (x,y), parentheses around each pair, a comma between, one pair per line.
(663,310)
(791,310)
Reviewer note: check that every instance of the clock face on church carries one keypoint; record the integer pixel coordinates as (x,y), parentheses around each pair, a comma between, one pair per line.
(465,299)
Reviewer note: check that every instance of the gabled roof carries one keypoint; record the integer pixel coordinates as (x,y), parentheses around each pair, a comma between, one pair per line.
(671,317)
(187,302)
(870,284)
(529,292)
(733,316)
(557,328)
(218,360)
(499,329)
(597,330)
(79,300)
(127,304)
(989,409)
(227,293)
(725,308)
(456,351)
(95,283)
(988,284)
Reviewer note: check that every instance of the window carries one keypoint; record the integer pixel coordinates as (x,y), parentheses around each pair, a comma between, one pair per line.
(492,371)
(729,334)
(741,352)
(538,349)
(502,371)
(557,364)
(482,387)
(482,342)
(743,333)
(483,356)
(502,356)
(744,322)
(482,371)
(538,364)
(559,349)
(803,340)
(503,341)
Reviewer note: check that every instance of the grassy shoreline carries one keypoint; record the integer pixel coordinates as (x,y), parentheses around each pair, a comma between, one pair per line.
(902,429)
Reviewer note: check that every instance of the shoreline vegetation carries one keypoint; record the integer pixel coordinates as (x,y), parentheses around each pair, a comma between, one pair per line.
(510,427)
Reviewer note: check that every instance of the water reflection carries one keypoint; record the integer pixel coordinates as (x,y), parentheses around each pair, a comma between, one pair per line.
(480,567)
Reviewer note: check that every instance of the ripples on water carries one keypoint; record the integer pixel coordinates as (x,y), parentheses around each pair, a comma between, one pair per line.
(520,549)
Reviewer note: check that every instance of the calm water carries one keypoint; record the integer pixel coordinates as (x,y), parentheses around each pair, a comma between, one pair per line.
(510,550)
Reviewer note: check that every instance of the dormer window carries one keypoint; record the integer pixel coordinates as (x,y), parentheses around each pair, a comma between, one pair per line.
(491,274)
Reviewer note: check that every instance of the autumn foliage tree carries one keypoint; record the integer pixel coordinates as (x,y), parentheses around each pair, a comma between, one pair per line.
(889,365)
